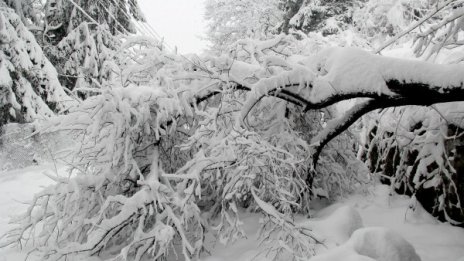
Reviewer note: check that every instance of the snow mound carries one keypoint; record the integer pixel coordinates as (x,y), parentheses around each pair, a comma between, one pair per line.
(382,244)
(375,243)
(416,214)
(337,226)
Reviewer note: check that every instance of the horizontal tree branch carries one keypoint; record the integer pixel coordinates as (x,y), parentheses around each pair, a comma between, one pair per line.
(407,94)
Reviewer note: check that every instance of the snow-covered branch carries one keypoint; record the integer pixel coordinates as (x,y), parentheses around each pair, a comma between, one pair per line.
(338,74)
(175,138)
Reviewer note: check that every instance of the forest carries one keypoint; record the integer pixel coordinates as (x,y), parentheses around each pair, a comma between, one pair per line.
(153,154)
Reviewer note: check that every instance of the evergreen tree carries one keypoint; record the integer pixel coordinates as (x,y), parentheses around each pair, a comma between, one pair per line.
(419,150)
(229,21)
(29,11)
(29,87)
(325,16)
(81,37)
(63,16)
(379,20)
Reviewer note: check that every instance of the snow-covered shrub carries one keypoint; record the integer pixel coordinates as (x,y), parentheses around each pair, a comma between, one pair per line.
(419,152)
(114,198)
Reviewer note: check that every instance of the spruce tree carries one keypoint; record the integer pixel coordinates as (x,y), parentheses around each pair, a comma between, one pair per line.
(29,86)
(81,37)
(325,16)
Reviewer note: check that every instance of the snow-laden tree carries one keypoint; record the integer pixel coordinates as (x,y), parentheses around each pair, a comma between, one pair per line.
(184,147)
(29,87)
(30,11)
(173,148)
(324,16)
(435,25)
(162,164)
(378,20)
(443,30)
(419,151)
(63,16)
(81,38)
(84,36)
(229,21)
(85,59)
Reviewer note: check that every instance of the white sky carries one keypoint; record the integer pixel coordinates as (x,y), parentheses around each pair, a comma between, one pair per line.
(180,22)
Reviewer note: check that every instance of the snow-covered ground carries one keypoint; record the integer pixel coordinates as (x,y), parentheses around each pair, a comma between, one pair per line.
(433,241)
(16,188)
